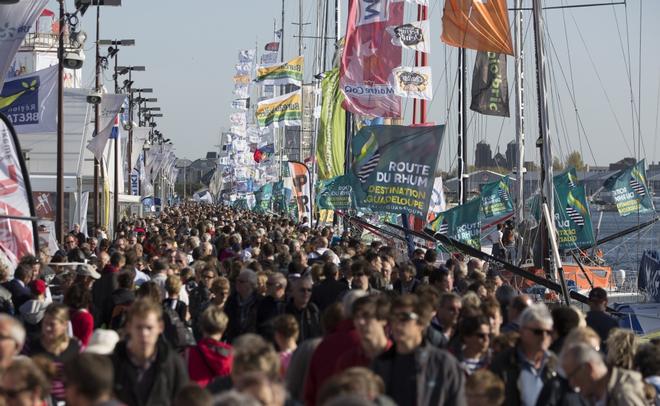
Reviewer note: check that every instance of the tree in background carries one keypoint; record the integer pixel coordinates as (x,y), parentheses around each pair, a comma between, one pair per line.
(557,165)
(575,160)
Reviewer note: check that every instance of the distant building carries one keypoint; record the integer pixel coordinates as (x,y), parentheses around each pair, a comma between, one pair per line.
(622,164)
(511,154)
(199,169)
(483,156)
(500,161)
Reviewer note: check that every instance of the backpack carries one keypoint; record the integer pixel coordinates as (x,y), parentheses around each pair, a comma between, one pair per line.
(176,333)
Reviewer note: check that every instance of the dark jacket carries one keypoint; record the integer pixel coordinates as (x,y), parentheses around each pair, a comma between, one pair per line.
(398,288)
(267,309)
(506,365)
(19,292)
(242,316)
(309,320)
(327,292)
(557,392)
(440,379)
(170,375)
(101,293)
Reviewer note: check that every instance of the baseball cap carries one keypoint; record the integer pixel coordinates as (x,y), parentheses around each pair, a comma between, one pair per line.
(38,287)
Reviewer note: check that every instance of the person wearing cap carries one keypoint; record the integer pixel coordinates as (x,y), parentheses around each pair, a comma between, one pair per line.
(597,319)
(102,342)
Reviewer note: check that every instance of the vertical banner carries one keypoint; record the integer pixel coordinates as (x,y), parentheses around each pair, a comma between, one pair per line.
(496,198)
(17,237)
(480,25)
(630,190)
(302,189)
(490,88)
(369,57)
(572,217)
(393,168)
(462,223)
(335,194)
(16,20)
(110,106)
(30,101)
(438,202)
(331,141)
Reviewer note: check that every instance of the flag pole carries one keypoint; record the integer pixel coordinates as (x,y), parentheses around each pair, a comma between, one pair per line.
(59,217)
(97,116)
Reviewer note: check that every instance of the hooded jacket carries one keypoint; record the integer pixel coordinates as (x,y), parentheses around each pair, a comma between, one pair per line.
(32,311)
(209,359)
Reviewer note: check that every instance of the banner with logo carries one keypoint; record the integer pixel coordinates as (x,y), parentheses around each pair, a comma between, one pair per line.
(272,47)
(331,140)
(438,202)
(393,167)
(287,73)
(109,109)
(243,79)
(572,217)
(461,223)
(413,36)
(496,198)
(490,88)
(239,119)
(302,189)
(240,104)
(16,20)
(480,25)
(30,101)
(17,237)
(281,111)
(244,68)
(335,194)
(246,55)
(242,91)
(269,58)
(264,197)
(369,57)
(415,82)
(630,190)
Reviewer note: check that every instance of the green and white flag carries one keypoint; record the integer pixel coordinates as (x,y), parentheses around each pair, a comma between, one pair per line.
(281,111)
(393,167)
(263,198)
(335,194)
(331,141)
(286,73)
(572,216)
(461,223)
(630,190)
(496,198)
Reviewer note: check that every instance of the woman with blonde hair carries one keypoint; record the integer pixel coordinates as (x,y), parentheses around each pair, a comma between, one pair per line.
(622,345)
(55,344)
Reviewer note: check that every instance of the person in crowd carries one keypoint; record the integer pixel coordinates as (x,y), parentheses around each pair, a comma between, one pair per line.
(330,289)
(147,371)
(647,362)
(484,388)
(32,311)
(210,358)
(410,364)
(103,288)
(585,369)
(193,395)
(443,325)
(303,310)
(359,382)
(526,367)
(407,282)
(564,320)
(597,318)
(474,353)
(272,305)
(89,379)
(442,280)
(55,344)
(241,307)
(622,345)
(201,293)
(79,299)
(514,310)
(18,287)
(122,299)
(23,383)
(172,288)
(12,339)
(285,333)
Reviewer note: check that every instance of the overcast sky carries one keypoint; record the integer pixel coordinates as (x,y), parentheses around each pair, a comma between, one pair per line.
(190,48)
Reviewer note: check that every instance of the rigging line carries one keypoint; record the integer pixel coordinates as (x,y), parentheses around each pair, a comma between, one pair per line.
(630,84)
(570,70)
(600,80)
(639,87)
(657,111)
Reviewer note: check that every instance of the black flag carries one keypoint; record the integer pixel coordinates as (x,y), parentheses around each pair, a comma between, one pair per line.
(490,92)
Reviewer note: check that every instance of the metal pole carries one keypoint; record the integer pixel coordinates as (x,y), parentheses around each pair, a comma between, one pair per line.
(282,36)
(559,270)
(462,128)
(129,147)
(520,110)
(300,27)
(97,117)
(424,55)
(59,226)
(337,20)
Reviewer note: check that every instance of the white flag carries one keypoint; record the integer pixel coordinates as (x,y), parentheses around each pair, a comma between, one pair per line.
(269,58)
(110,106)
(413,35)
(412,82)
(438,203)
(30,101)
(242,91)
(239,104)
(239,119)
(15,22)
(246,55)
(244,68)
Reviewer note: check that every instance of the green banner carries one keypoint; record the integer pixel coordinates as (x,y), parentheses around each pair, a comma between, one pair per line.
(462,223)
(330,144)
(335,194)
(630,190)
(393,167)
(572,216)
(496,198)
(264,198)
(290,72)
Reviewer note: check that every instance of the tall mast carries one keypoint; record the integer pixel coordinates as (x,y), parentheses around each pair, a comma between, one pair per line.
(543,142)
(520,110)
(462,128)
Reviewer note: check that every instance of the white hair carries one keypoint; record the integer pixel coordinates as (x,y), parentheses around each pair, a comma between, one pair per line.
(535,313)
(582,353)
(16,329)
(250,275)
(350,298)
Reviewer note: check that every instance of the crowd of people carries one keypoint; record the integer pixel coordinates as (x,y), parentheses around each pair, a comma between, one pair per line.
(208,305)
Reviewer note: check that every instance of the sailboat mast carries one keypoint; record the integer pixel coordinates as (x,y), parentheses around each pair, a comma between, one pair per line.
(543,142)
(520,110)
(462,128)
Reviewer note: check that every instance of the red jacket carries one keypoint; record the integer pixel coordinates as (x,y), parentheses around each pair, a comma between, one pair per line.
(82,324)
(321,366)
(209,359)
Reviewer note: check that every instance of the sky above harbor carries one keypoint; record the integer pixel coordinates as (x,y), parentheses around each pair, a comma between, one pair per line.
(593,57)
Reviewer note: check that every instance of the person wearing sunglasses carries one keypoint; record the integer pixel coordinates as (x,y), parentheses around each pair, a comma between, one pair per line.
(474,353)
(527,366)
(415,372)
(305,312)
(23,383)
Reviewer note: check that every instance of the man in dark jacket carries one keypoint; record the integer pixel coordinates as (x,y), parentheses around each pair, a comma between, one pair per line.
(527,366)
(597,319)
(305,312)
(241,307)
(20,293)
(330,289)
(416,373)
(103,288)
(272,305)
(147,371)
